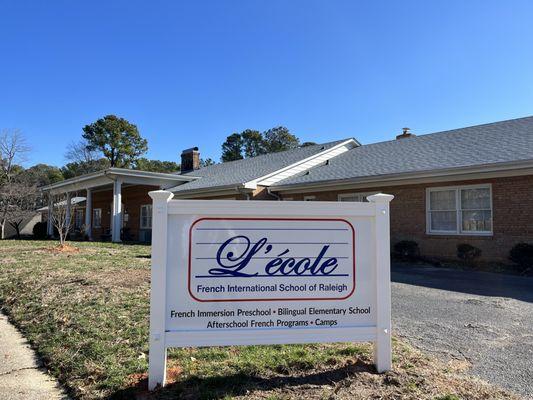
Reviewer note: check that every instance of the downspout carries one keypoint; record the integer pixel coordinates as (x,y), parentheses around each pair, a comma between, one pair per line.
(271,193)
(239,190)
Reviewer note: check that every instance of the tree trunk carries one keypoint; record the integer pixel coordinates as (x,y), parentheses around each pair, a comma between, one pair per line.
(16,226)
(2,229)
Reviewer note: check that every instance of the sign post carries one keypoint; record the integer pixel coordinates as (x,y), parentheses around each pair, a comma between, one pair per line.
(258,272)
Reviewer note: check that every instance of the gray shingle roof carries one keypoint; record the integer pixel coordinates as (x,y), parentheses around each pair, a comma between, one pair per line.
(497,142)
(241,171)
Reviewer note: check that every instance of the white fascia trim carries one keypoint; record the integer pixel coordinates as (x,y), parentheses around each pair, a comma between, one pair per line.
(271,177)
(216,191)
(115,172)
(70,181)
(148,174)
(515,168)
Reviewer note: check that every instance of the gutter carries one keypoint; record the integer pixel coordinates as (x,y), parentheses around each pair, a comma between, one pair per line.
(118,172)
(76,179)
(211,191)
(435,173)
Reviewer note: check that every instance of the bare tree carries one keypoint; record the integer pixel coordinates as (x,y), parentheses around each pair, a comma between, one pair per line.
(82,160)
(22,197)
(79,152)
(14,189)
(61,218)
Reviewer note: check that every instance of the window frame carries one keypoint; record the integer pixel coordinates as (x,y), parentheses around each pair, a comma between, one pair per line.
(458,211)
(363,195)
(141,226)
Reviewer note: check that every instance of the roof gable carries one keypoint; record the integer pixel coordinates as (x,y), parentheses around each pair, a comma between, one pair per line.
(250,170)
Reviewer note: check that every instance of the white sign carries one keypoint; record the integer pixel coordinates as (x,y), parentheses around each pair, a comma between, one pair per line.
(259,272)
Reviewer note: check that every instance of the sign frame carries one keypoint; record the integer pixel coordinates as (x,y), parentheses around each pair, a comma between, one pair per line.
(377,209)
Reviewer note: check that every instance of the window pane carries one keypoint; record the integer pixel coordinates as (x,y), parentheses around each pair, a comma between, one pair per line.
(442,200)
(146,216)
(476,199)
(477,221)
(78,218)
(97,217)
(443,220)
(352,197)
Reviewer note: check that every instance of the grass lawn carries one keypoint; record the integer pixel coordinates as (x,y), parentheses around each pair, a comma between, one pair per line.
(86,314)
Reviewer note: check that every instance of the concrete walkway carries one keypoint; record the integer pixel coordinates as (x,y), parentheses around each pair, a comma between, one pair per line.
(20,376)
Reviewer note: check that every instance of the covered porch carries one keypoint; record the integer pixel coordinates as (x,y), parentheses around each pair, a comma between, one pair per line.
(115,203)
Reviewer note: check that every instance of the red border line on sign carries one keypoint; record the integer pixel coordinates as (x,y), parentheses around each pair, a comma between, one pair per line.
(269,219)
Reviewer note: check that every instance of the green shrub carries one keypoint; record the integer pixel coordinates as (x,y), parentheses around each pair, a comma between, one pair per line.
(407,250)
(39,230)
(522,255)
(467,252)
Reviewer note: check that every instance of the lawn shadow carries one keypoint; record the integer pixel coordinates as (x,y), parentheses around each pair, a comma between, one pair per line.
(219,387)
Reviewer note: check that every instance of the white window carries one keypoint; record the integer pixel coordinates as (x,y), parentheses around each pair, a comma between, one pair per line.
(97,218)
(360,197)
(146,216)
(309,198)
(462,210)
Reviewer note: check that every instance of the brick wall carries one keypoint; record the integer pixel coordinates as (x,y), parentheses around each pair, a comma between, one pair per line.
(133,197)
(512,216)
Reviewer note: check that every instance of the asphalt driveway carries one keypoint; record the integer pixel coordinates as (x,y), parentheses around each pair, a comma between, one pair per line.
(484,318)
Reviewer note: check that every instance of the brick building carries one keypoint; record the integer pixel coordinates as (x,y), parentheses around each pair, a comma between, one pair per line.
(470,185)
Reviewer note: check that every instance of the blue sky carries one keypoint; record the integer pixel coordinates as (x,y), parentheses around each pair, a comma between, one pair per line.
(190,73)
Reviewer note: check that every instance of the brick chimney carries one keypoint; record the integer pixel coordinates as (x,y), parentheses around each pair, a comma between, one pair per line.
(405,134)
(190,160)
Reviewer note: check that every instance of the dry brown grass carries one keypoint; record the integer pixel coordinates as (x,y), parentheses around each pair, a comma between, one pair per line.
(86,313)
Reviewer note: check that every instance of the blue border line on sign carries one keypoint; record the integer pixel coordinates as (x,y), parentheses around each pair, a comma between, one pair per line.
(270,276)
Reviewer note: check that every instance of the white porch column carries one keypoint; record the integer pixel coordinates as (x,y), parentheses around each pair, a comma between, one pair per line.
(89,214)
(116,213)
(50,222)
(67,212)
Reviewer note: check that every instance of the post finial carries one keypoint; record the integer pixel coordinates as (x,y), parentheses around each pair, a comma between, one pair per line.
(161,195)
(380,198)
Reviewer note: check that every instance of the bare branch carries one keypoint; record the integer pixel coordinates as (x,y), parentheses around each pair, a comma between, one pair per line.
(13,151)
(79,152)
(61,219)
(18,196)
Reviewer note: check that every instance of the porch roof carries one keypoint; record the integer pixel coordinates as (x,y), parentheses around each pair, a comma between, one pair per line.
(108,176)
(75,201)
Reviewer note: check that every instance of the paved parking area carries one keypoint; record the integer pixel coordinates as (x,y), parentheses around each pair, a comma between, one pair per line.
(482,317)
